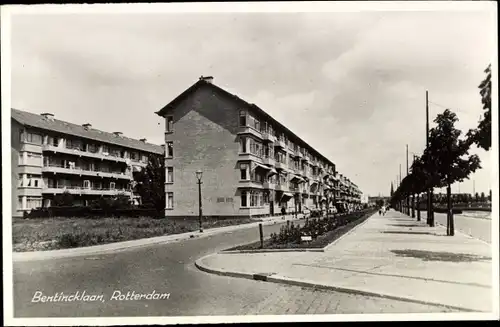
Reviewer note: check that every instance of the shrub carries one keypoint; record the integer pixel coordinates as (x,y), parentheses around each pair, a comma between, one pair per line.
(316,227)
(65,199)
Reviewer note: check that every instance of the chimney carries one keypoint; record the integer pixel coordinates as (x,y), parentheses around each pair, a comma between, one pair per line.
(208,79)
(118,133)
(48,116)
(143,140)
(87,126)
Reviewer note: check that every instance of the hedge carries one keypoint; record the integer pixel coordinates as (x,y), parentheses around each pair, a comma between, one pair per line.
(88,212)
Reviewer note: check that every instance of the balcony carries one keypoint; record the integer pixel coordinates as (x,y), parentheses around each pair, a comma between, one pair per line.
(31,147)
(250,184)
(269,185)
(280,143)
(247,156)
(280,165)
(25,169)
(268,161)
(268,137)
(249,130)
(76,190)
(298,154)
(29,191)
(282,187)
(56,169)
(80,153)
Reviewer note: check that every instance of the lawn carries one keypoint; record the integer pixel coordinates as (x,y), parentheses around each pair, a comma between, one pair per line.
(59,233)
(342,226)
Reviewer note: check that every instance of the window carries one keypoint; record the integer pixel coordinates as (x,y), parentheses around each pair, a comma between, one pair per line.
(170,200)
(33,202)
(112,185)
(86,184)
(144,158)
(92,148)
(134,155)
(243,118)
(105,149)
(170,149)
(243,145)
(33,138)
(244,198)
(170,124)
(170,174)
(244,172)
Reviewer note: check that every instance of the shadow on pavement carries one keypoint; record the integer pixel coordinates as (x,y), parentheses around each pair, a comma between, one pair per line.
(439,256)
(411,225)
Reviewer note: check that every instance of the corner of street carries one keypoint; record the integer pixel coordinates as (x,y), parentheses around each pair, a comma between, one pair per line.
(392,256)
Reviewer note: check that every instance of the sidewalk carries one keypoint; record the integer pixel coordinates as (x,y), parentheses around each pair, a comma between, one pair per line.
(393,256)
(120,246)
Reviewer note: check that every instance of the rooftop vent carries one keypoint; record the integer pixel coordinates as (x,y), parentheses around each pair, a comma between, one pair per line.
(48,116)
(143,140)
(118,133)
(208,79)
(87,126)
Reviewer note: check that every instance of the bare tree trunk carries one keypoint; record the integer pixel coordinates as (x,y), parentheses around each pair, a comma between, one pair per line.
(431,208)
(450,225)
(448,210)
(413,205)
(418,208)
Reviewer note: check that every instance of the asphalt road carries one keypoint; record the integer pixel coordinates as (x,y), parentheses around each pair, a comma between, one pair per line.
(479,228)
(169,268)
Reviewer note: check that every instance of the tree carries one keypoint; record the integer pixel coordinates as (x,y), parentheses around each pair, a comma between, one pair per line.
(65,199)
(483,197)
(481,136)
(449,153)
(150,183)
(476,197)
(392,189)
(489,196)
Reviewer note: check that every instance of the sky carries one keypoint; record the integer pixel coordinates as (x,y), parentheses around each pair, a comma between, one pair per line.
(351,84)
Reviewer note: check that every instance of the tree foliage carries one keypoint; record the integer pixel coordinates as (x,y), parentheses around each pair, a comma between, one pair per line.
(150,183)
(481,136)
(445,161)
(65,199)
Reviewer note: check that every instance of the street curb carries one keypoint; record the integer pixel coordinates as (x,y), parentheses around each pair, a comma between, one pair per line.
(289,281)
(132,244)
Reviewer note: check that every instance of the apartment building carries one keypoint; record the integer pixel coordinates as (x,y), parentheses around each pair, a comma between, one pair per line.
(251,164)
(51,156)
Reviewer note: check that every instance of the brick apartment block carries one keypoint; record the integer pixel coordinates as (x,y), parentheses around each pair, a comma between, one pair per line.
(252,165)
(51,156)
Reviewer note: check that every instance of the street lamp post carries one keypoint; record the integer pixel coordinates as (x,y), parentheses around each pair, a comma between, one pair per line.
(199,174)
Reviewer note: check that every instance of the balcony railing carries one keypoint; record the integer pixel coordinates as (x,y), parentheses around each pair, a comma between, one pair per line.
(82,171)
(78,190)
(78,151)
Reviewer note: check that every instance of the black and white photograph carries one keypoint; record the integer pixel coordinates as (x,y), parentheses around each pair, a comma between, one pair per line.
(187,163)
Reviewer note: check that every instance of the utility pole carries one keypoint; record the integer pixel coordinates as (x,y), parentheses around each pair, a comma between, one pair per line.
(430,213)
(400,201)
(407,173)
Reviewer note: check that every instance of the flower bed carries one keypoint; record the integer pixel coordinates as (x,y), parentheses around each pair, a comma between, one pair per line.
(323,231)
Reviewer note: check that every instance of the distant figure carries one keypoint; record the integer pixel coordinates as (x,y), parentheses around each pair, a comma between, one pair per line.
(379,212)
(383,210)
(283,211)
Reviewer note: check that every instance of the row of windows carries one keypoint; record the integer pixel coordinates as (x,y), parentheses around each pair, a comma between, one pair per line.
(248,120)
(31,202)
(81,145)
(255,198)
